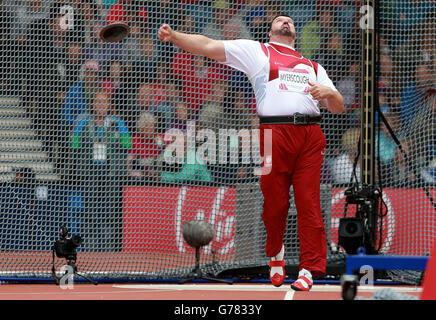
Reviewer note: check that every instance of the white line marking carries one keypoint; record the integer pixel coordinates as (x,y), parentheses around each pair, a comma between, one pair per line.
(289,295)
(256,287)
(213,287)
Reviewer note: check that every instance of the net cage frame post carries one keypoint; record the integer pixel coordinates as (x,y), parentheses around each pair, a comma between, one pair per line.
(368,110)
(367,209)
(368,96)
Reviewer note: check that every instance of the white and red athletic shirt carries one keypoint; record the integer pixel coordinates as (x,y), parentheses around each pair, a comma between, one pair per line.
(279,76)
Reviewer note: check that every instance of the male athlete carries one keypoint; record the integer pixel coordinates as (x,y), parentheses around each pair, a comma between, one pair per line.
(288,90)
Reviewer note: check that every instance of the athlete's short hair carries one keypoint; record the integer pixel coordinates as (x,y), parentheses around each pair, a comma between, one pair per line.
(279,15)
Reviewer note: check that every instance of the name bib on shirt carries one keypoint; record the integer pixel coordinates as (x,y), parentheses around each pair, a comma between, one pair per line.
(100,152)
(293,80)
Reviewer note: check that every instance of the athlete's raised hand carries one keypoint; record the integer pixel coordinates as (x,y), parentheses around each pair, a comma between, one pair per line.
(165,33)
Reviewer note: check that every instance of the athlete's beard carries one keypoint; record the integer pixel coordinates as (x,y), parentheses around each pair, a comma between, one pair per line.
(285,32)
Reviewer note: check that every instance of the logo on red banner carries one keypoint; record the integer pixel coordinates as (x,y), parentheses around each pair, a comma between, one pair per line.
(154,217)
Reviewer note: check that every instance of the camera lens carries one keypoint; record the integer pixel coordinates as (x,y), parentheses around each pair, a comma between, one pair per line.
(351,228)
(76,240)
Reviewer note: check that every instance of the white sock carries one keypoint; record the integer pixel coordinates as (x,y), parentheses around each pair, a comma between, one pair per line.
(306,273)
(279,256)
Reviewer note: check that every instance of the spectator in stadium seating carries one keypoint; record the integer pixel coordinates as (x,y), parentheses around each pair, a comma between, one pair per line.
(330,56)
(159,10)
(45,51)
(165,109)
(113,81)
(211,120)
(273,9)
(212,109)
(237,96)
(237,119)
(349,10)
(74,62)
(122,88)
(223,14)
(195,77)
(181,117)
(198,12)
(92,20)
(17,203)
(104,53)
(158,99)
(22,14)
(144,156)
(17,16)
(162,9)
(341,167)
(352,37)
(417,92)
(422,142)
(255,17)
(94,47)
(384,100)
(141,54)
(391,171)
(136,10)
(417,49)
(322,26)
(428,54)
(108,3)
(100,143)
(5,43)
(193,168)
(80,95)
(410,14)
(387,81)
(348,85)
(196,66)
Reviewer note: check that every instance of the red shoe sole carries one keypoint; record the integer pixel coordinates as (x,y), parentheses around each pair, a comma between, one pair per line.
(300,289)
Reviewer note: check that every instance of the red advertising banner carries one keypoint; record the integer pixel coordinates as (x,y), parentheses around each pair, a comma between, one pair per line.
(154,217)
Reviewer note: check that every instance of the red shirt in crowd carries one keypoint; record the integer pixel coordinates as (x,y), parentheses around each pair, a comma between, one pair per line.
(196,83)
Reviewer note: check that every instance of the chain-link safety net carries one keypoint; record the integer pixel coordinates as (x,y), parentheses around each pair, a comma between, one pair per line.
(122,143)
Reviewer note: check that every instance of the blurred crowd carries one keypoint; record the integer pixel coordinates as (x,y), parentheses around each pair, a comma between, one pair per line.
(104,109)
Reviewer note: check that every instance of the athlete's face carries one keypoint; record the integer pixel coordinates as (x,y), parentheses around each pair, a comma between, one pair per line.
(283,26)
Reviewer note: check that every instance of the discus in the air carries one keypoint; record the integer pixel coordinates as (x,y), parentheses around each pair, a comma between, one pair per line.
(116,28)
(115,32)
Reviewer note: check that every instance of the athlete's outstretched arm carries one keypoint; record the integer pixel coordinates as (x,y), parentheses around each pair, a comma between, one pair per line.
(193,43)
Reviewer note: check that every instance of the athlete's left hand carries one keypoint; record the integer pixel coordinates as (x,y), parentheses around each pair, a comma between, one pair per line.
(319,92)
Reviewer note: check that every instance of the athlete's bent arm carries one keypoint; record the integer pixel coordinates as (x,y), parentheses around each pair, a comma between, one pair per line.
(330,99)
(193,43)
(334,102)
